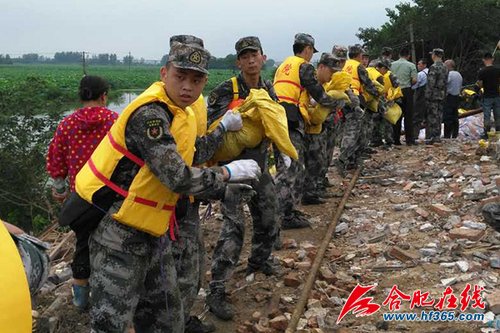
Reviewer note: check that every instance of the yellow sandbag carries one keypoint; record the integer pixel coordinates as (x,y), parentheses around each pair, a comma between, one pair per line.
(371,101)
(393,113)
(340,81)
(394,93)
(314,129)
(318,114)
(262,117)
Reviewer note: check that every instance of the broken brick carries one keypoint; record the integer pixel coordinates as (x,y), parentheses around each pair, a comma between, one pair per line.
(470,234)
(292,280)
(326,274)
(422,212)
(493,300)
(279,323)
(403,255)
(441,210)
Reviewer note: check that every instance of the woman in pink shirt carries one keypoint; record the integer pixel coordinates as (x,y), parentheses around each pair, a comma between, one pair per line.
(75,139)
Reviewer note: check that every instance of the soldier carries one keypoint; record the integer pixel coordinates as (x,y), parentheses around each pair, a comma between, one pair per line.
(136,175)
(435,93)
(295,82)
(382,129)
(189,252)
(360,84)
(316,158)
(347,123)
(263,206)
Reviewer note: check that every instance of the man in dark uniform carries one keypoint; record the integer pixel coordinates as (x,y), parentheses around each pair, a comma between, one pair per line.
(435,94)
(263,206)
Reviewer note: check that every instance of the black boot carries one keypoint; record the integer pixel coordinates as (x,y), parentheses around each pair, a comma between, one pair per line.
(312,199)
(295,220)
(218,304)
(195,325)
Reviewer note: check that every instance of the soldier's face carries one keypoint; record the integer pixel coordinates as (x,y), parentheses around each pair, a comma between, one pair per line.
(183,86)
(250,62)
(324,73)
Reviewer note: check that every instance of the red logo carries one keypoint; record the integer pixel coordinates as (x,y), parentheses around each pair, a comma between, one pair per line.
(359,306)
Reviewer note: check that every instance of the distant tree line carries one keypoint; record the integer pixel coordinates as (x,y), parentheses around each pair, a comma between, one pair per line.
(228,62)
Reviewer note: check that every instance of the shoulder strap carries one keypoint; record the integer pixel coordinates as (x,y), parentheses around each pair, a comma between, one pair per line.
(236,93)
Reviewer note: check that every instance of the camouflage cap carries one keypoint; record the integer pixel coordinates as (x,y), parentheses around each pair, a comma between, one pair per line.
(339,51)
(384,63)
(247,43)
(386,50)
(189,56)
(306,39)
(329,60)
(356,49)
(186,39)
(439,52)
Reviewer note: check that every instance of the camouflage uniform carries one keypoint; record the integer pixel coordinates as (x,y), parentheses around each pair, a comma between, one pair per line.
(189,251)
(320,146)
(290,181)
(263,206)
(350,144)
(382,129)
(367,119)
(133,279)
(435,93)
(35,260)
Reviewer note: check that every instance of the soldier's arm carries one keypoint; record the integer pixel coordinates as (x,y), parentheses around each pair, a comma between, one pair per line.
(148,135)
(394,80)
(310,83)
(366,82)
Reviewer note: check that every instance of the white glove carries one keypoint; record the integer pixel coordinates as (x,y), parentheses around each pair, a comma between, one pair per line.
(243,170)
(286,160)
(231,121)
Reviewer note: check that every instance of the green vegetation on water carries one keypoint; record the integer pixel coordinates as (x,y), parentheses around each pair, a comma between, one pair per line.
(32,101)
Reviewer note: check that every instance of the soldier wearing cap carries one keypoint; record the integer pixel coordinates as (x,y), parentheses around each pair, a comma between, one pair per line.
(189,253)
(263,206)
(361,84)
(382,129)
(295,82)
(316,158)
(435,94)
(136,174)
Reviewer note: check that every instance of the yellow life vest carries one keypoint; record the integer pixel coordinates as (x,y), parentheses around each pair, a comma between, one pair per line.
(200,111)
(387,82)
(351,67)
(15,303)
(148,204)
(287,85)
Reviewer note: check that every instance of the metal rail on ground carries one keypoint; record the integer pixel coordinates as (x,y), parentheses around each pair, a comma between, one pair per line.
(299,309)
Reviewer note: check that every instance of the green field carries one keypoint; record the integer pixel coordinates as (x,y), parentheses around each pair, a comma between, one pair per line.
(56,86)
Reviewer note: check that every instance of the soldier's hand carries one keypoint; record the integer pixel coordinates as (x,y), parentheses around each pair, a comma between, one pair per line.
(231,121)
(238,193)
(354,100)
(243,170)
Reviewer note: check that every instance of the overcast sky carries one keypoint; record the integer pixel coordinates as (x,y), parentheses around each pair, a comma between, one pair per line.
(144,27)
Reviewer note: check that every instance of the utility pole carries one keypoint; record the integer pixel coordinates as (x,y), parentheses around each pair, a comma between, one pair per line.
(412,43)
(84,64)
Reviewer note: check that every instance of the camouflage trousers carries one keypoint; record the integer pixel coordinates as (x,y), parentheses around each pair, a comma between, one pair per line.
(290,181)
(382,130)
(315,156)
(433,119)
(349,145)
(189,254)
(366,132)
(133,280)
(264,210)
(329,135)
